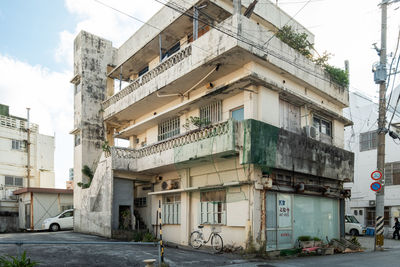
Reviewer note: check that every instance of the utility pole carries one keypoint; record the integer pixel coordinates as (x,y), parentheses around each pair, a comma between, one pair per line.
(28,149)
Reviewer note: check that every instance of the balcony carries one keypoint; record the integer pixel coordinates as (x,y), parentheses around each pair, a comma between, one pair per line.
(260,144)
(267,65)
(217,140)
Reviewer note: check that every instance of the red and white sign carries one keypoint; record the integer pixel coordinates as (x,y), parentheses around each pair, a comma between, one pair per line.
(376,175)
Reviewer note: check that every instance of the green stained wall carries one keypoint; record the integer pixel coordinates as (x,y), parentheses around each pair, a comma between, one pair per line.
(259,143)
(4,110)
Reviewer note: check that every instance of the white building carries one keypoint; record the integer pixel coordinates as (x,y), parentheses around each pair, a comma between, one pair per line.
(268,168)
(14,158)
(361,139)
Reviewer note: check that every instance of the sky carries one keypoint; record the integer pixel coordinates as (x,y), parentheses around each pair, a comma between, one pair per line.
(36,50)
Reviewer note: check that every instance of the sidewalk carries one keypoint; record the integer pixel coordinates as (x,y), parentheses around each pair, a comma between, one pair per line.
(367,242)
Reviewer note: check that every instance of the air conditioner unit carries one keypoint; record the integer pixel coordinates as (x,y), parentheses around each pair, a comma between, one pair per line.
(372,203)
(312,132)
(170,184)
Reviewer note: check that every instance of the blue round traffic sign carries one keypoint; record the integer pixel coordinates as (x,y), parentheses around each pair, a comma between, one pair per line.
(376,186)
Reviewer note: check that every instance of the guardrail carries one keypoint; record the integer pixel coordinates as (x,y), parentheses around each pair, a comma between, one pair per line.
(19,244)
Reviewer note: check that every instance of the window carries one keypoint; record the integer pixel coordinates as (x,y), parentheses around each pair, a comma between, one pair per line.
(143,71)
(368,140)
(66,207)
(289,116)
(77,139)
(323,126)
(141,202)
(212,112)
(392,173)
(18,145)
(212,207)
(168,128)
(171,209)
(13,181)
(360,212)
(67,214)
(175,48)
(238,114)
(356,212)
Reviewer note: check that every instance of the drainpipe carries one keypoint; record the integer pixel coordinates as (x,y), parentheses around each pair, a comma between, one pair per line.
(32,225)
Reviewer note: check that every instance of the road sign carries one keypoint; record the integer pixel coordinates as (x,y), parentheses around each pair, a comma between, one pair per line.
(376,186)
(376,175)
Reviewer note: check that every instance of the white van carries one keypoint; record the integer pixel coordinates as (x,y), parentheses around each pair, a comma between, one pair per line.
(64,220)
(353,226)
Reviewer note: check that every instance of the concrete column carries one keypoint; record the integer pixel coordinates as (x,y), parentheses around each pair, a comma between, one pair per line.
(268,106)
(251,103)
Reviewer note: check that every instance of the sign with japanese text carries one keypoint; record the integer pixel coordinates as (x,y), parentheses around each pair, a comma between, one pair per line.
(284,210)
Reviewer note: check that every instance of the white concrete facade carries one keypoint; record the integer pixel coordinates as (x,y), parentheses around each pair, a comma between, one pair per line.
(14,158)
(364,113)
(259,107)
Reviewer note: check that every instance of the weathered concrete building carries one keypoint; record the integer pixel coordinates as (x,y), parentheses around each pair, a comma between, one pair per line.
(227,127)
(14,160)
(361,139)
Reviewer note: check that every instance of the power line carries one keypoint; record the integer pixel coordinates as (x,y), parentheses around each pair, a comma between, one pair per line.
(291,18)
(390,69)
(228,32)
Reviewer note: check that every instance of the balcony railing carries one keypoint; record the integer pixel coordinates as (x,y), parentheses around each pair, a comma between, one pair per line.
(190,137)
(145,78)
(11,122)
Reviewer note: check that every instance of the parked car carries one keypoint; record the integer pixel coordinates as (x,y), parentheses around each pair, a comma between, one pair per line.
(64,220)
(353,226)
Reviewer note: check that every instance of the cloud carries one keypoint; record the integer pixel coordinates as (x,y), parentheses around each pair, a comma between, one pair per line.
(103,21)
(49,95)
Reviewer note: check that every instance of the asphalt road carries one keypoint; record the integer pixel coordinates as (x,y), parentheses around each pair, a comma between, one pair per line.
(123,255)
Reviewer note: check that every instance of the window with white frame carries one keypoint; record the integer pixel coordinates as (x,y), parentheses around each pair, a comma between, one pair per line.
(171,209)
(168,128)
(18,144)
(212,209)
(13,181)
(211,113)
(368,140)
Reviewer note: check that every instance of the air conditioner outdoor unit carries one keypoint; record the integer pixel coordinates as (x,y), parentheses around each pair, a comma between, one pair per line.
(312,132)
(170,184)
(372,203)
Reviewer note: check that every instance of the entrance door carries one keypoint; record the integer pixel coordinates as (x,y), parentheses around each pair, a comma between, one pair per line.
(279,221)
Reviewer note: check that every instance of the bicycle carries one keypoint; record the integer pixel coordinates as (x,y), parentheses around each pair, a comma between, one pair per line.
(197,239)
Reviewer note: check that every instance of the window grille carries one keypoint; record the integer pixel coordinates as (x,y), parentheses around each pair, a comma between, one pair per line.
(168,128)
(212,112)
(324,126)
(392,173)
(368,140)
(212,207)
(171,209)
(77,139)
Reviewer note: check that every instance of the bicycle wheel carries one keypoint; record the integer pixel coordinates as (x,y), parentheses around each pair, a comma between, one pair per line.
(217,243)
(196,239)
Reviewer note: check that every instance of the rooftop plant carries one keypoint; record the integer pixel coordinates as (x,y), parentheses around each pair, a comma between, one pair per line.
(299,42)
